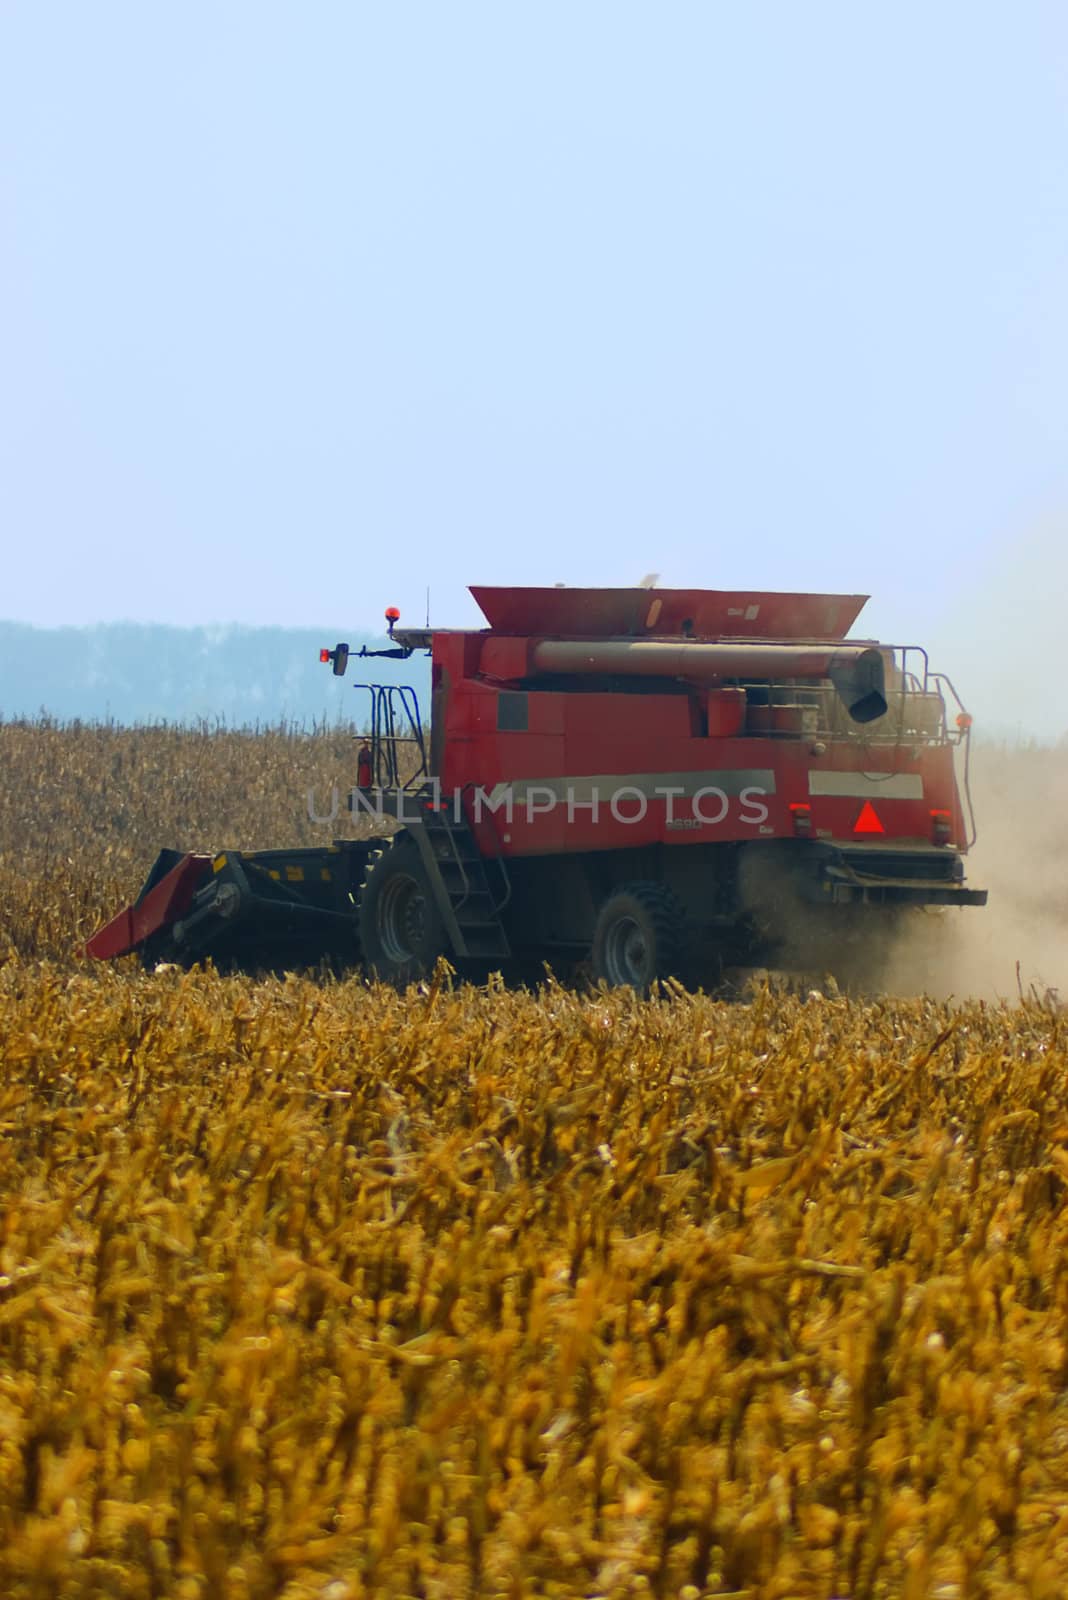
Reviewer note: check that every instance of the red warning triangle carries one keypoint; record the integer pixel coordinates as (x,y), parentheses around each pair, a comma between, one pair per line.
(868,821)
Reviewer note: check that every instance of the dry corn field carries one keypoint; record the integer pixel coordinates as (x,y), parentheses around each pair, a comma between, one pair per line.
(85,810)
(311,1290)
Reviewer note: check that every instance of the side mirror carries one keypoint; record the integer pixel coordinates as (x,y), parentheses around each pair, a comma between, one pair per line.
(339,656)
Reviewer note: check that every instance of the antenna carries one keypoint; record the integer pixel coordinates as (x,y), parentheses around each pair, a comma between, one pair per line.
(428,605)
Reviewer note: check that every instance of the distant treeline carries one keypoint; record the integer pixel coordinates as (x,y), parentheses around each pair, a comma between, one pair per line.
(128,672)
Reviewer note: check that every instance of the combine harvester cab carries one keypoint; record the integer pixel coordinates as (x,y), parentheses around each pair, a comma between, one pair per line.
(647,782)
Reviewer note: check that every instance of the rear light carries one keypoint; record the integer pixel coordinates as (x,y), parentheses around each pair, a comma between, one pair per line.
(802,816)
(941,826)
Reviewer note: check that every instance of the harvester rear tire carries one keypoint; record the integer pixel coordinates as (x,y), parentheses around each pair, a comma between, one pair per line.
(401,931)
(639,937)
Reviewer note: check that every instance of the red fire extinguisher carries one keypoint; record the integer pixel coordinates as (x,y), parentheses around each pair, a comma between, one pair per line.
(363,766)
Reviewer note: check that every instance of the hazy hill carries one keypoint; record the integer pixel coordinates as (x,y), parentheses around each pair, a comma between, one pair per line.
(142,672)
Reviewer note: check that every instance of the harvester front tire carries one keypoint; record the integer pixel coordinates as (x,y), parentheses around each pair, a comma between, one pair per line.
(639,937)
(401,931)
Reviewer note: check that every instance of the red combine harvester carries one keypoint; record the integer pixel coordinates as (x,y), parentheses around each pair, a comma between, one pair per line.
(656,782)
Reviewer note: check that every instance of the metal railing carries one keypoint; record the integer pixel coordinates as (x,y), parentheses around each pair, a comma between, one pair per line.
(396,732)
(918,710)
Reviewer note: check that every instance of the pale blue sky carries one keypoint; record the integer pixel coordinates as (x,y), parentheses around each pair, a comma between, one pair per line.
(305,308)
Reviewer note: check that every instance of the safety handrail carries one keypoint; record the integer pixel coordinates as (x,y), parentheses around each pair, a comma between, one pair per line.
(390,703)
(964,738)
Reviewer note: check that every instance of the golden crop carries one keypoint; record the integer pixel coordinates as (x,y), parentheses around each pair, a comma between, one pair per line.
(311,1290)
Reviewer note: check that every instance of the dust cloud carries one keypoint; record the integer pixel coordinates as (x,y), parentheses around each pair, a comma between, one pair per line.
(1018,942)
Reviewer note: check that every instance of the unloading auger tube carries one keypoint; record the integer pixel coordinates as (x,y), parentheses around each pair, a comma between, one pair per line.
(857,671)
